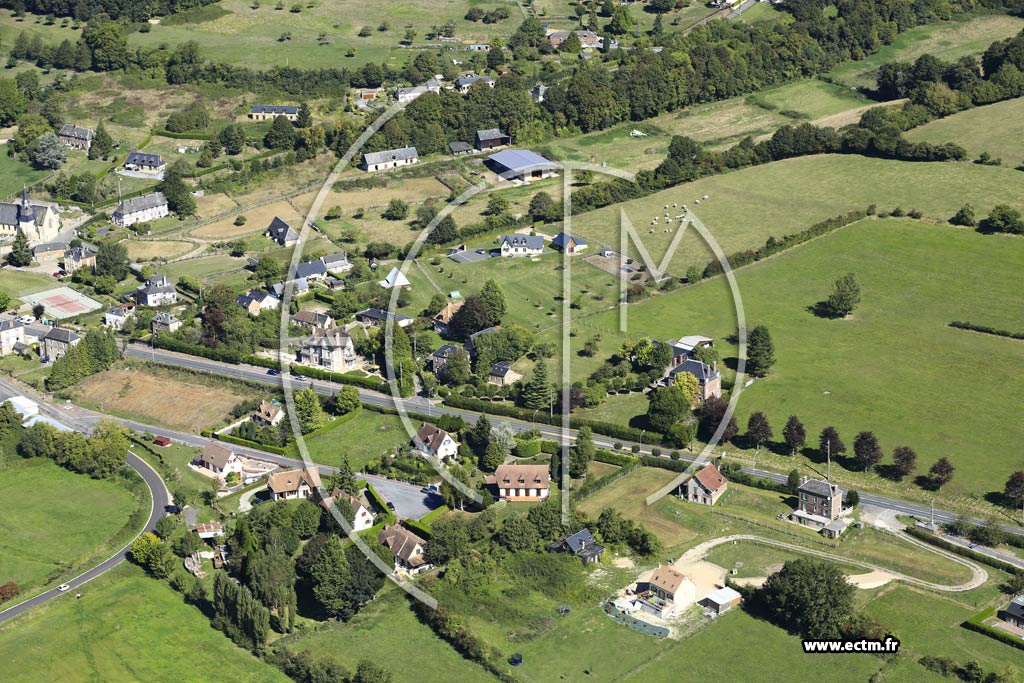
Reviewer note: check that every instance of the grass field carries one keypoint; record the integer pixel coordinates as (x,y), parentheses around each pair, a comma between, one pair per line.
(144,393)
(14,175)
(996,128)
(366,437)
(781,198)
(388,632)
(53,520)
(948,41)
(627,496)
(126,627)
(206,267)
(810,99)
(915,278)
(18,283)
(153,250)
(257,220)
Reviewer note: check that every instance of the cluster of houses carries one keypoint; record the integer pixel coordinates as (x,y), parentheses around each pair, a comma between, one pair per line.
(17,335)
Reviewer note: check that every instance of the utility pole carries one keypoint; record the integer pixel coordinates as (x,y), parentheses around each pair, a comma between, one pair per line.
(828,461)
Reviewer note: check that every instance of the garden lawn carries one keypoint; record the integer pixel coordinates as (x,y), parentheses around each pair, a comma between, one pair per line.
(19,283)
(53,520)
(894,367)
(388,632)
(947,40)
(996,128)
(126,627)
(14,175)
(363,438)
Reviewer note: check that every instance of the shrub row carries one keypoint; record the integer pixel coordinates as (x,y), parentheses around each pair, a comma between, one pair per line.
(664,463)
(960,325)
(238,441)
(170,343)
(775,245)
(735,474)
(526,449)
(928,537)
(418,528)
(260,361)
(371,383)
(376,499)
(612,458)
(604,428)
(976,624)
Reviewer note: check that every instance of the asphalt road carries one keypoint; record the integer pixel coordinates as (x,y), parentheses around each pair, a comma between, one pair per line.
(422,405)
(161,499)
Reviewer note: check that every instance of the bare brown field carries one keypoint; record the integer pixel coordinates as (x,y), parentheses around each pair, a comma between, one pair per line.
(213,204)
(164,397)
(158,249)
(257,220)
(411,190)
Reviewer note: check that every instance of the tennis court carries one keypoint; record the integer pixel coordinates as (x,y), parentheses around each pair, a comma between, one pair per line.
(62,302)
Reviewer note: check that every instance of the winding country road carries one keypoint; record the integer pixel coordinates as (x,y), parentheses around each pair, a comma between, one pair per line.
(161,500)
(978,575)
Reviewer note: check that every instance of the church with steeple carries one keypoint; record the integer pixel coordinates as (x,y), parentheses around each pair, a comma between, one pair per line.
(40,223)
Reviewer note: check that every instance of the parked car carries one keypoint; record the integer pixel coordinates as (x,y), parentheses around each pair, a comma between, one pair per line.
(391,506)
(272,372)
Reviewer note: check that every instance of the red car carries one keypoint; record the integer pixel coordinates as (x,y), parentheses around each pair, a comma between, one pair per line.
(58,275)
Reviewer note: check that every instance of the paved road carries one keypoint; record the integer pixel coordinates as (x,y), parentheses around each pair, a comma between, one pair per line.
(421,405)
(984,550)
(161,499)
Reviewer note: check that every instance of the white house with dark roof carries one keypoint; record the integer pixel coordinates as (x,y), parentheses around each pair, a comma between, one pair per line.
(391,158)
(76,137)
(157,291)
(375,317)
(583,545)
(337,262)
(464,83)
(312,271)
(569,245)
(165,322)
(12,333)
(436,442)
(148,207)
(144,162)
(411,93)
(282,233)
(255,302)
(264,112)
(520,165)
(513,246)
(116,317)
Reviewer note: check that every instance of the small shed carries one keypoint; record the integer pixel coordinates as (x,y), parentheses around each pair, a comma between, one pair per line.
(162,441)
(722,600)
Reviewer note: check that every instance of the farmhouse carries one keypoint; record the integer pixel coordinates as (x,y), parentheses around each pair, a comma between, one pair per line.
(165,322)
(392,158)
(666,592)
(502,374)
(464,83)
(12,333)
(491,138)
(362,511)
(583,545)
(75,137)
(144,162)
(263,112)
(291,484)
(521,482)
(436,442)
(459,147)
(374,317)
(255,302)
(307,318)
(48,251)
(722,600)
(158,291)
(269,414)
(219,459)
(820,503)
(443,320)
(57,342)
(148,207)
(407,547)
(331,349)
(588,39)
(709,380)
(513,246)
(38,222)
(282,233)
(567,244)
(704,487)
(77,258)
(337,262)
(520,164)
